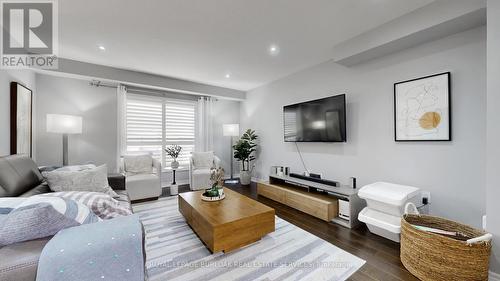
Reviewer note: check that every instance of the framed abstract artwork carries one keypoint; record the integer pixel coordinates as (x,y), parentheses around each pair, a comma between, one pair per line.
(422,109)
(21,103)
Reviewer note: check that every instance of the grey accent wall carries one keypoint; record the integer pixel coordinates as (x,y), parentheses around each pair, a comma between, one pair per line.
(97,106)
(225,112)
(493,132)
(25,77)
(454,172)
(141,79)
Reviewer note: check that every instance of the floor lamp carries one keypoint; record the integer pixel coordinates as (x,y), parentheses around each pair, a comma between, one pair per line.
(231,130)
(65,125)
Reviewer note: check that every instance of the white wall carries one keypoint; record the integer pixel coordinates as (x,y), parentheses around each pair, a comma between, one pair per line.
(493,132)
(454,171)
(97,106)
(24,77)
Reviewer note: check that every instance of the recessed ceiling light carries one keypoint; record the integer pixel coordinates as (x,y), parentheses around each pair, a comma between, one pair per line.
(274,50)
(228,75)
(101,48)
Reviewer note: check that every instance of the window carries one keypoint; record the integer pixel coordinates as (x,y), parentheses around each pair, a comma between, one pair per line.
(153,123)
(180,128)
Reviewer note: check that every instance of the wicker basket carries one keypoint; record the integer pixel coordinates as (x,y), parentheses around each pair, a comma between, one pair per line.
(435,257)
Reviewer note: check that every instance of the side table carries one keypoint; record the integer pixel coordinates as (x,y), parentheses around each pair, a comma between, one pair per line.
(174,188)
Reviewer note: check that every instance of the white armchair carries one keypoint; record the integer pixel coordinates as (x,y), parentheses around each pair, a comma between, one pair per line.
(142,185)
(200,164)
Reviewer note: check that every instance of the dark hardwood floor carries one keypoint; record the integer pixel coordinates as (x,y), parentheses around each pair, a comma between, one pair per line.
(381,255)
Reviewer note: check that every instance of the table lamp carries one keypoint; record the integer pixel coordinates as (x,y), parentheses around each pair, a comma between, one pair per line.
(231,130)
(65,125)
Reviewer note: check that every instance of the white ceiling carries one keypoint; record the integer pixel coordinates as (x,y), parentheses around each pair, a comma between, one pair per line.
(203,40)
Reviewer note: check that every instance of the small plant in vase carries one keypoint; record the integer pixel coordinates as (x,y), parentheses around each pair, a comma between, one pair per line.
(174,151)
(216,192)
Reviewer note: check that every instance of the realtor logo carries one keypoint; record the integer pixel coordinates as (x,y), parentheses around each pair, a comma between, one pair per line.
(29,34)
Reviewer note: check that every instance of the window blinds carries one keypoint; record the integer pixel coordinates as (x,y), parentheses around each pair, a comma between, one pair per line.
(153,123)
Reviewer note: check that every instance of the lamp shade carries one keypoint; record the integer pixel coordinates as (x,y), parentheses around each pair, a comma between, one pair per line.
(231,130)
(64,124)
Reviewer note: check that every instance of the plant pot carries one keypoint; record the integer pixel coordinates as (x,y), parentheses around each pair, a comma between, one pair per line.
(245,177)
(174,164)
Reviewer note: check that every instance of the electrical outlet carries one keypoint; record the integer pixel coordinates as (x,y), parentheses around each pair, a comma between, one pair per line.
(484,222)
(426,194)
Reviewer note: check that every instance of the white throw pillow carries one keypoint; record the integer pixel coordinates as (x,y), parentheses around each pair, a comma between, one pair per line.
(138,164)
(203,159)
(95,179)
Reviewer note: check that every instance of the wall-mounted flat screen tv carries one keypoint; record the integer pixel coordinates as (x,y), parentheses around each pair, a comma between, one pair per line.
(322,120)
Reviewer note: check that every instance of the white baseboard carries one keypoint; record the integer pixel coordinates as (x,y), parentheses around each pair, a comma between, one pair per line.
(494,276)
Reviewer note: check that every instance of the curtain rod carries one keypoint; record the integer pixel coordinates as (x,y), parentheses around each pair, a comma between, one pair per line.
(98,83)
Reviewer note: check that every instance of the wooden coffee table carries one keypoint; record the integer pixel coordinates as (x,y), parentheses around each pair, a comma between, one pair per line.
(228,224)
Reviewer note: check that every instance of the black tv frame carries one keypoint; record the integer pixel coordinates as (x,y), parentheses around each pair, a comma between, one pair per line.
(345,118)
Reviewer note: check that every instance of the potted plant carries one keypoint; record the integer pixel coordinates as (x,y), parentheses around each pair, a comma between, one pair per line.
(244,151)
(173,151)
(216,192)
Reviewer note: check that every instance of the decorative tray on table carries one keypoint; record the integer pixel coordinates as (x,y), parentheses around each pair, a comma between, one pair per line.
(213,198)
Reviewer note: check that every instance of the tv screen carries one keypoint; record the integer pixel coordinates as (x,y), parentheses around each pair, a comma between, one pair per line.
(320,120)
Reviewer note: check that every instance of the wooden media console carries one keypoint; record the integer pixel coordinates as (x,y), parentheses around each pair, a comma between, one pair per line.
(316,199)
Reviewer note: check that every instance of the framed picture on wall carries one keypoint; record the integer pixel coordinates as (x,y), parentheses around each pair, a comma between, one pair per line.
(422,109)
(21,103)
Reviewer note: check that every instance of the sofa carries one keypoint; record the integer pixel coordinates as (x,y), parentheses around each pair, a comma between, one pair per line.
(20,177)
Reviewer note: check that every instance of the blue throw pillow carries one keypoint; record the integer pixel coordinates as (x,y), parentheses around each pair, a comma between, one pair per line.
(38,217)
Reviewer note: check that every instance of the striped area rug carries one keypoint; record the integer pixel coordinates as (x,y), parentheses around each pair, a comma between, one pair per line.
(174,252)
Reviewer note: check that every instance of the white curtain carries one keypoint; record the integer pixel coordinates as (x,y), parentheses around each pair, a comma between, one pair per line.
(121,148)
(204,140)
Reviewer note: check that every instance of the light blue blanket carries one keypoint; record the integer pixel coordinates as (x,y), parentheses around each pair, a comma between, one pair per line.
(107,250)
